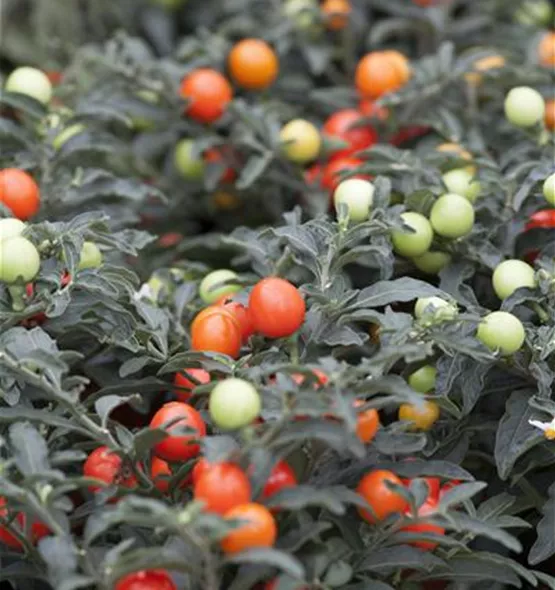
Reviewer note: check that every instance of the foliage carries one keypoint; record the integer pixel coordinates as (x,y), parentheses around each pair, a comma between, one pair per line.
(88,355)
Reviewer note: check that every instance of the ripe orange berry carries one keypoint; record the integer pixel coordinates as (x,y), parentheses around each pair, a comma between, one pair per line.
(550,114)
(336,13)
(259,528)
(253,64)
(19,193)
(368,423)
(215,329)
(380,72)
(546,50)
(208,93)
(400,63)
(382,500)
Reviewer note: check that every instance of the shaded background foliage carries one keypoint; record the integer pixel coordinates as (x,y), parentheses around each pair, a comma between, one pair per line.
(102,362)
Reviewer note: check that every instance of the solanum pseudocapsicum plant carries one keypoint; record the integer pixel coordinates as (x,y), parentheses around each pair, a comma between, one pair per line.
(222,365)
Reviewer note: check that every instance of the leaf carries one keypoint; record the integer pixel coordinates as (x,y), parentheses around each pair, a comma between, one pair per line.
(146,439)
(475,568)
(29,448)
(331,434)
(462,522)
(544,546)
(210,361)
(253,170)
(20,570)
(509,563)
(458,494)
(515,436)
(333,498)
(150,558)
(267,556)
(495,506)
(218,448)
(40,416)
(549,581)
(10,129)
(403,289)
(106,404)
(393,441)
(400,557)
(60,556)
(333,334)
(295,539)
(421,468)
(452,279)
(299,238)
(23,103)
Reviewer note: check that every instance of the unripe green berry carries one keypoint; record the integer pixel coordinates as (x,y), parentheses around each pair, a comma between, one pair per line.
(524,106)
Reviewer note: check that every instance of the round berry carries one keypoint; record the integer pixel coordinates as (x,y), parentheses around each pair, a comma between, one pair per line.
(357,195)
(452,216)
(524,106)
(416,242)
(501,331)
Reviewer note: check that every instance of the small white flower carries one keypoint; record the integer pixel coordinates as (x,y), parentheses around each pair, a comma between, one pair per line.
(547,427)
(145,292)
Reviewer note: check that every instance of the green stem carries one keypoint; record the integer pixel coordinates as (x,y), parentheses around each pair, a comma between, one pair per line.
(294,348)
(17,293)
(542,314)
(77,410)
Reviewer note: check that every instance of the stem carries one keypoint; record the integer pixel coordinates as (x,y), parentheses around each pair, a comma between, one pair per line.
(542,314)
(17,293)
(77,410)
(294,348)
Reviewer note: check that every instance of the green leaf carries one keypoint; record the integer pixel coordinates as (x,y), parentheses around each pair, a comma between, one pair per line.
(267,556)
(421,468)
(106,404)
(544,546)
(24,103)
(146,439)
(149,558)
(548,580)
(254,168)
(460,493)
(494,506)
(515,436)
(391,559)
(29,449)
(461,522)
(333,498)
(60,556)
(398,290)
(478,568)
(9,415)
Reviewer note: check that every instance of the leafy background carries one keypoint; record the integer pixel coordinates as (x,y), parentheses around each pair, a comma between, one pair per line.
(100,365)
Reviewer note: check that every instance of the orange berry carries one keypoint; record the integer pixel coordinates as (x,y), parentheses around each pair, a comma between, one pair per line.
(550,114)
(336,13)
(259,528)
(19,193)
(253,64)
(380,72)
(208,93)
(546,50)
(400,63)
(368,423)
